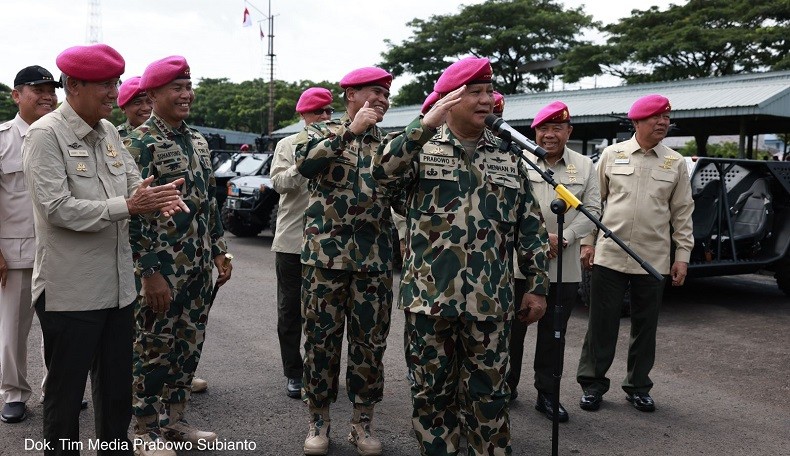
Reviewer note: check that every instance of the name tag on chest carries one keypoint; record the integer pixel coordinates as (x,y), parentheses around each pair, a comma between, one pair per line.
(78,153)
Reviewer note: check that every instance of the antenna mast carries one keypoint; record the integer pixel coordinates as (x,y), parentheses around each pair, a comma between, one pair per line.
(93,34)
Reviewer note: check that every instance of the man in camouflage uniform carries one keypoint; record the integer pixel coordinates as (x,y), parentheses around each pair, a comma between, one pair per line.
(134,103)
(173,258)
(469,208)
(347,260)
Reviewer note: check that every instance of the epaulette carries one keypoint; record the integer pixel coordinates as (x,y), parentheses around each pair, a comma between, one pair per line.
(6,125)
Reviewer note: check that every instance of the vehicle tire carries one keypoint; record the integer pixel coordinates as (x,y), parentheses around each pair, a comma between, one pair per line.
(233,224)
(783,276)
(273,218)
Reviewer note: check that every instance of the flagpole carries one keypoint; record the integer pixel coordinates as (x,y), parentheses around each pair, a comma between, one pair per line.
(271,55)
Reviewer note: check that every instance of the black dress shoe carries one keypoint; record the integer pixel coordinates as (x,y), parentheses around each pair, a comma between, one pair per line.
(545,405)
(591,401)
(642,401)
(13,412)
(294,388)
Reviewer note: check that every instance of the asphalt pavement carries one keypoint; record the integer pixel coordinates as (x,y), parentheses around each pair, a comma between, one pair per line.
(722,381)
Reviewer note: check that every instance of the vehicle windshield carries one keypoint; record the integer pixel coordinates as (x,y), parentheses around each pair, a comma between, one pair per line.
(249,165)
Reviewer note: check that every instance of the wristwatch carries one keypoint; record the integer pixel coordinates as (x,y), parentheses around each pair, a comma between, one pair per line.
(149,271)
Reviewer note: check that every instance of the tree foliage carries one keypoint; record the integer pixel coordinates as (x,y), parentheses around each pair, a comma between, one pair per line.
(702,38)
(220,103)
(510,33)
(8,108)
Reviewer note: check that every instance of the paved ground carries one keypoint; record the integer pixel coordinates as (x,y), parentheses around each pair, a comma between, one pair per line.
(722,379)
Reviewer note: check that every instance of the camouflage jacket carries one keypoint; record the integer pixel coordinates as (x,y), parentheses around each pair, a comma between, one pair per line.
(124,129)
(187,242)
(465,216)
(348,222)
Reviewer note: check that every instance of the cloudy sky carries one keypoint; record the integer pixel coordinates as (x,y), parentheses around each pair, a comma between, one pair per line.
(314,39)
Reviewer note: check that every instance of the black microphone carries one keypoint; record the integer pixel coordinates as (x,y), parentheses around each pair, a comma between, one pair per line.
(499,126)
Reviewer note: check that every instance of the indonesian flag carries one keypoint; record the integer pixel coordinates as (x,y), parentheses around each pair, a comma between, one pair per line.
(247,19)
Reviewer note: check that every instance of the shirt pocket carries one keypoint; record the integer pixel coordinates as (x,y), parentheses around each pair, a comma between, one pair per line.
(12,167)
(621,179)
(80,168)
(342,171)
(499,198)
(661,184)
(574,184)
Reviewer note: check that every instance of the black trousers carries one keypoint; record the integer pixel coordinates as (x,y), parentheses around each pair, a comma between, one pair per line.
(99,341)
(545,348)
(607,290)
(289,311)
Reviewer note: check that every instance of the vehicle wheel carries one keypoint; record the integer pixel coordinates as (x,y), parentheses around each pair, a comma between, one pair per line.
(783,276)
(273,219)
(236,226)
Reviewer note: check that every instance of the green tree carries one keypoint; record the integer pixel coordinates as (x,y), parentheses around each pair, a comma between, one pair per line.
(8,108)
(701,38)
(509,32)
(244,106)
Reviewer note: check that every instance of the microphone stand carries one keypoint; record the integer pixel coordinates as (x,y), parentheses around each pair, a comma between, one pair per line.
(565,200)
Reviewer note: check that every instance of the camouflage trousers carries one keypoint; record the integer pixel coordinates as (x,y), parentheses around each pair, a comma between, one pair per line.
(459,367)
(167,345)
(332,299)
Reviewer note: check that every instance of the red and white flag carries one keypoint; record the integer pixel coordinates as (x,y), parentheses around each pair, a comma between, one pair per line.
(247,19)
(261,29)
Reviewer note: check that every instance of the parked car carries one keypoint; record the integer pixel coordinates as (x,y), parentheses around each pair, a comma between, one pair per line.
(235,165)
(251,205)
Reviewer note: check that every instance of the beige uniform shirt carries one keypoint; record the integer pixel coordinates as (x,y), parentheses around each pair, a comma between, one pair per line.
(17,236)
(79,178)
(644,193)
(294,195)
(577,173)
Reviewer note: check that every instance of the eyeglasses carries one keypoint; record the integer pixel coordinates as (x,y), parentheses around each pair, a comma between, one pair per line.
(327,111)
(108,85)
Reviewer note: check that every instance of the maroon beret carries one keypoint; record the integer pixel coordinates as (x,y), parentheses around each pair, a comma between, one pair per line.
(97,62)
(470,70)
(129,90)
(367,76)
(312,99)
(499,103)
(164,71)
(555,112)
(649,106)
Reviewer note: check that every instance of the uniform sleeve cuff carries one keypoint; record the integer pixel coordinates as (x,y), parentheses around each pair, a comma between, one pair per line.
(117,208)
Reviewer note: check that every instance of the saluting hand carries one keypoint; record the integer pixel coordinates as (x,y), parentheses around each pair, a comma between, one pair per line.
(365,118)
(438,112)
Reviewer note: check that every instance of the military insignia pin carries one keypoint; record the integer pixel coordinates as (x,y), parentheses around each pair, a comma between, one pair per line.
(81,168)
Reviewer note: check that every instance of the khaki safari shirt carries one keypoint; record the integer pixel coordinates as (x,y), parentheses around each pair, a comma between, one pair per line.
(79,178)
(292,188)
(644,194)
(17,235)
(577,173)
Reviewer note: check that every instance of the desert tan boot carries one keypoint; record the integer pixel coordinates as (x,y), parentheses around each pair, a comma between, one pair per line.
(361,434)
(199,385)
(178,430)
(151,444)
(317,440)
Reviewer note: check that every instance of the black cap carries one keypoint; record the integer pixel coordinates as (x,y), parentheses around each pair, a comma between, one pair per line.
(34,75)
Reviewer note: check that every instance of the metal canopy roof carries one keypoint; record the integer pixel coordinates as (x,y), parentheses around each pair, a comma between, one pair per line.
(741,104)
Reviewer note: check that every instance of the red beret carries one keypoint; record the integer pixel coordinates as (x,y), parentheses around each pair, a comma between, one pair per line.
(648,106)
(499,103)
(97,62)
(164,72)
(555,112)
(366,77)
(312,99)
(129,90)
(470,70)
